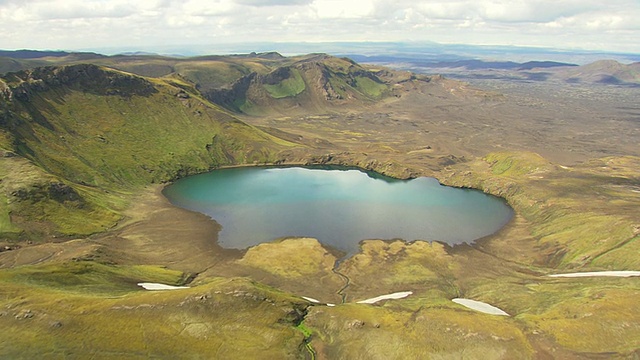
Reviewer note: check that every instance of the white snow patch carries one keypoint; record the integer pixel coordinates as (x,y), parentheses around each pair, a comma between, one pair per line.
(331,305)
(398,295)
(598,273)
(156,286)
(480,306)
(311,299)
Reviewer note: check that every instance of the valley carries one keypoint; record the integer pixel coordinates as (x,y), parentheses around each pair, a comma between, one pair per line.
(88,149)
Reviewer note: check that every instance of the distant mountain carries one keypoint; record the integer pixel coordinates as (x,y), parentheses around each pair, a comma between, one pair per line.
(499,65)
(138,53)
(317,81)
(17,60)
(272,55)
(542,65)
(467,64)
(31,54)
(38,54)
(603,72)
(253,83)
(8,64)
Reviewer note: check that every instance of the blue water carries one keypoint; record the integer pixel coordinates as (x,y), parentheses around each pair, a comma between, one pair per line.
(338,207)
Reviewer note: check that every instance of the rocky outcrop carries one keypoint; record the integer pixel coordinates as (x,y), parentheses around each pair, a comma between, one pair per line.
(362,161)
(89,78)
(57,191)
(5,91)
(328,81)
(236,93)
(324,83)
(277,76)
(271,55)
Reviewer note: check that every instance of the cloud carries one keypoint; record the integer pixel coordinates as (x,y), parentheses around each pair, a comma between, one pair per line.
(539,11)
(84,10)
(260,3)
(329,9)
(204,8)
(511,11)
(67,9)
(72,24)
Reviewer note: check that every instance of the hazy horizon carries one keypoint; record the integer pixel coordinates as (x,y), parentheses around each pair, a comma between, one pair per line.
(147,25)
(422,50)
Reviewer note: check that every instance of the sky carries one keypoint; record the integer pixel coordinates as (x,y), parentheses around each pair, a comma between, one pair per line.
(152,25)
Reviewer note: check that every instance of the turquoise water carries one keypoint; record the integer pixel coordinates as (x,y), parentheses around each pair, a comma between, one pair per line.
(338,207)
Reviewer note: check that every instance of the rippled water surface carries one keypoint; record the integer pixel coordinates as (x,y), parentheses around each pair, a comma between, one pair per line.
(338,207)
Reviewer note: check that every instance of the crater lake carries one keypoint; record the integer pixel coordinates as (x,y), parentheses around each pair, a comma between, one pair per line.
(339,207)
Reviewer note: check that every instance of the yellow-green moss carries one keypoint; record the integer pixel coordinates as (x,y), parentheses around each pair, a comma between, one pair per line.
(289,87)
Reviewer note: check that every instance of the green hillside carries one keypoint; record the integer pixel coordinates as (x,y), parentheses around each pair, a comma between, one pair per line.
(95,129)
(255,84)
(314,83)
(98,130)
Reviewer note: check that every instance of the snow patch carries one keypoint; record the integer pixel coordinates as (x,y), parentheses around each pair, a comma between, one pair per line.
(156,286)
(398,295)
(480,306)
(598,273)
(311,299)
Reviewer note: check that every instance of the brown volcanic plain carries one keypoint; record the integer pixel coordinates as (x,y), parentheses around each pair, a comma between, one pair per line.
(566,159)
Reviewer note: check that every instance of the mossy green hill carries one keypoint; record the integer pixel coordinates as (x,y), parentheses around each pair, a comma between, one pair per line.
(318,84)
(581,216)
(256,84)
(98,132)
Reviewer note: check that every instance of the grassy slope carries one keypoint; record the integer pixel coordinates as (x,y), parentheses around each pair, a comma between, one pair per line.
(583,215)
(582,219)
(9,64)
(346,81)
(83,310)
(370,332)
(102,147)
(351,79)
(314,84)
(118,142)
(34,211)
(288,87)
(212,74)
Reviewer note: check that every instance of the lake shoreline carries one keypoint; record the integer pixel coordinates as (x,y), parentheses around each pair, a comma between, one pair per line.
(338,206)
